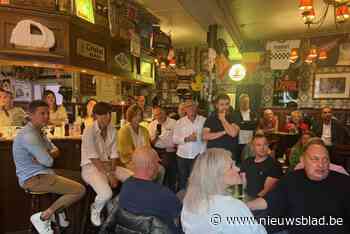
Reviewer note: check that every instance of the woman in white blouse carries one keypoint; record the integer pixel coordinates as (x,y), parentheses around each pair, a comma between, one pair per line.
(58,114)
(207,204)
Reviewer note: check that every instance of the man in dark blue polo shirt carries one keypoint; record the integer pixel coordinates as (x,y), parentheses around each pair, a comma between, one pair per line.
(220,129)
(140,195)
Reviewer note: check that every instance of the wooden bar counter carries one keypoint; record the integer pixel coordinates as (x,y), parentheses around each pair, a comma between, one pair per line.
(14,202)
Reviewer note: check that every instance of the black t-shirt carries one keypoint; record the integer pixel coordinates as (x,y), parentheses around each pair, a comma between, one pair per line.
(297,196)
(256,174)
(226,141)
(148,198)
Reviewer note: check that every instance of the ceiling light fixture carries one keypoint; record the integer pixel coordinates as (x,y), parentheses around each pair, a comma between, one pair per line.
(308,13)
(340,11)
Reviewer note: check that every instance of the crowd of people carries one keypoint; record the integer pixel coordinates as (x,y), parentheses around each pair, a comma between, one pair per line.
(196,157)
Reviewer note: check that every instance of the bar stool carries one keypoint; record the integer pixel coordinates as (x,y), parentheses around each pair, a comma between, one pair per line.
(35,199)
(88,228)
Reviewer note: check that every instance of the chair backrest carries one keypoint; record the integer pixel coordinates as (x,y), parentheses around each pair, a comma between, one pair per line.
(124,222)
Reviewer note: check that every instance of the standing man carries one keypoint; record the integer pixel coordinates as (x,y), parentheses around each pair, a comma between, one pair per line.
(33,154)
(331,130)
(98,159)
(313,192)
(161,131)
(220,129)
(10,115)
(247,122)
(188,136)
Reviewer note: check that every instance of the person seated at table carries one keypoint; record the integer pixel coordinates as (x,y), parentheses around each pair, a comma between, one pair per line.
(261,173)
(207,194)
(132,135)
(34,154)
(269,122)
(88,115)
(314,192)
(248,151)
(10,115)
(298,149)
(296,123)
(140,195)
(98,159)
(58,114)
(331,130)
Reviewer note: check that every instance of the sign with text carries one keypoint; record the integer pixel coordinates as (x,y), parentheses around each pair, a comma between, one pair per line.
(90,50)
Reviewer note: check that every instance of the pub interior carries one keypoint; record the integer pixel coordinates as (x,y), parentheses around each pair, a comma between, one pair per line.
(176,116)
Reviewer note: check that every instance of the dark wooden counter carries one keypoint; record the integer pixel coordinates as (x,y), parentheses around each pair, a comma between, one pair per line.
(14,203)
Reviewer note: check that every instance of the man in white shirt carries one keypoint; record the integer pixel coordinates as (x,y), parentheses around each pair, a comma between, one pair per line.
(247,122)
(188,137)
(161,131)
(331,130)
(98,159)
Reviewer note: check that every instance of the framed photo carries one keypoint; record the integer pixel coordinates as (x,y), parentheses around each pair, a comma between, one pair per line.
(331,86)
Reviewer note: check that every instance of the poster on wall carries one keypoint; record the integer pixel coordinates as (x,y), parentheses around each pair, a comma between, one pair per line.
(85,10)
(5,83)
(331,86)
(22,91)
(285,91)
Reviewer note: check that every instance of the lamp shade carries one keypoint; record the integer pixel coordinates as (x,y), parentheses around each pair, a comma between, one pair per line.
(294,54)
(309,16)
(341,1)
(308,60)
(313,53)
(306,5)
(323,54)
(172,62)
(342,13)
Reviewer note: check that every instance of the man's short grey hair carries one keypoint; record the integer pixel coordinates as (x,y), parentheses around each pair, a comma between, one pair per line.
(315,141)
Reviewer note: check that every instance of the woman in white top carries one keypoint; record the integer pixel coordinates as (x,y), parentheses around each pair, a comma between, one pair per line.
(208,207)
(58,114)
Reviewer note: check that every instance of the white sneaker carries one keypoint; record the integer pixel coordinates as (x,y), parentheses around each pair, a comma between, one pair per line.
(63,222)
(43,227)
(95,216)
(63,219)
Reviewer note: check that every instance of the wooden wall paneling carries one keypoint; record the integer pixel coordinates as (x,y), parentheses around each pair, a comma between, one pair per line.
(95,34)
(59,24)
(35,4)
(87,85)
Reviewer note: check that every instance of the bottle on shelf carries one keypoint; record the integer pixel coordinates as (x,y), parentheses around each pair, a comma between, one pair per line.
(66,128)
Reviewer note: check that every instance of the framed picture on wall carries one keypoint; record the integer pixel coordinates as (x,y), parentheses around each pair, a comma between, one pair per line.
(331,86)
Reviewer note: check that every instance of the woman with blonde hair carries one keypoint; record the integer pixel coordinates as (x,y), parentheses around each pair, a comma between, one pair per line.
(207,202)
(132,135)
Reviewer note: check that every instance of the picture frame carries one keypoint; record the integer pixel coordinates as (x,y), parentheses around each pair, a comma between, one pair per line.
(331,86)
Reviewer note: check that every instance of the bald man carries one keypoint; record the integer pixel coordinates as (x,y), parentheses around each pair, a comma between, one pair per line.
(140,195)
(269,122)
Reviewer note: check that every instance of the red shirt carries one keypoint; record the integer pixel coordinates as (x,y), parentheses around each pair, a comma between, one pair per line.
(302,127)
